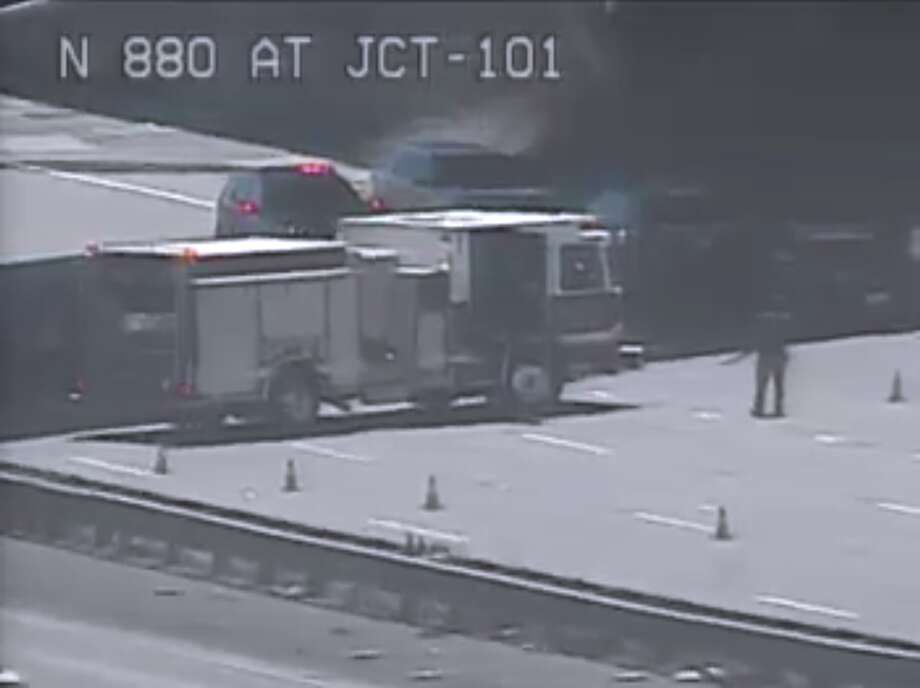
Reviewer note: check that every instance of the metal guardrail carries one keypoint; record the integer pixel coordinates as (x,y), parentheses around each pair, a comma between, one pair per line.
(449,595)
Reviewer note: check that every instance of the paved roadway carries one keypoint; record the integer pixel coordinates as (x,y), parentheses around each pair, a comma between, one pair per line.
(68,619)
(49,207)
(825,505)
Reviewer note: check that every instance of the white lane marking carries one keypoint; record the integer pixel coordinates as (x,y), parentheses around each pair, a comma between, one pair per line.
(106,466)
(806,607)
(899,508)
(568,444)
(416,530)
(426,675)
(704,414)
(151,191)
(674,522)
(602,394)
(827,438)
(331,453)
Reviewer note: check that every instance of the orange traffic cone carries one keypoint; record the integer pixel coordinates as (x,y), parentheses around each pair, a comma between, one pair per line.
(722,530)
(290,478)
(160,465)
(432,500)
(897,394)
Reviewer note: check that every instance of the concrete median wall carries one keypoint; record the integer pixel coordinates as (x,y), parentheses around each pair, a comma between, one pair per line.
(445,596)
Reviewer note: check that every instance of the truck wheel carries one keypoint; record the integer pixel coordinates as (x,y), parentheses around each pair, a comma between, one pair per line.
(294,401)
(531,386)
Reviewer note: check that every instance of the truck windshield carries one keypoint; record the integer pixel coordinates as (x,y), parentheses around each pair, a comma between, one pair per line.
(581,268)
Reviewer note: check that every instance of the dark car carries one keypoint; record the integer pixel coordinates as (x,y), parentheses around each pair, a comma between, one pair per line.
(304,200)
(444,174)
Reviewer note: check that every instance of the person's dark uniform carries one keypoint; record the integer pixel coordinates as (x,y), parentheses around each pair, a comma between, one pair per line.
(771,332)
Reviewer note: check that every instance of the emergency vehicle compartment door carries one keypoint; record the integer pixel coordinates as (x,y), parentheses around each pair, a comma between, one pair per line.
(292,321)
(383,331)
(344,357)
(508,282)
(431,296)
(227,339)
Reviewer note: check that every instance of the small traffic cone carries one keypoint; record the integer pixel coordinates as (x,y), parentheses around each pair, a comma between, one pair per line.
(290,477)
(432,500)
(722,530)
(897,394)
(160,465)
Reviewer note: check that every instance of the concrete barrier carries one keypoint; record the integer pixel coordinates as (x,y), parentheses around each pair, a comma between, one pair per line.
(456,595)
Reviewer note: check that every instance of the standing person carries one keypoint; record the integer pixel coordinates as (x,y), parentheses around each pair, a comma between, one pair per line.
(770,333)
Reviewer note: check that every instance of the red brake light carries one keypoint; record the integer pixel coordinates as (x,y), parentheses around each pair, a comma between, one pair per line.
(378,204)
(189,256)
(315,168)
(247,208)
(185,390)
(91,250)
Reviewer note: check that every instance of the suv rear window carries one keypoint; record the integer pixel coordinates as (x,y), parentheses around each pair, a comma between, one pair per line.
(291,195)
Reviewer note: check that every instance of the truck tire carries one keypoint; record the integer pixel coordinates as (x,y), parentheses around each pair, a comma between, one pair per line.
(531,386)
(294,401)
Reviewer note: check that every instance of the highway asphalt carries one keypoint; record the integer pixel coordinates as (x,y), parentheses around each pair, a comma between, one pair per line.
(68,620)
(620,489)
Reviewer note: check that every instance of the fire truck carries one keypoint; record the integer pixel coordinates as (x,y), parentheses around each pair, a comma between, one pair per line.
(421,307)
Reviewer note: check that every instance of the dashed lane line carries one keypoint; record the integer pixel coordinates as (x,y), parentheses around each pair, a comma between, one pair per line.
(567,444)
(899,508)
(673,522)
(107,466)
